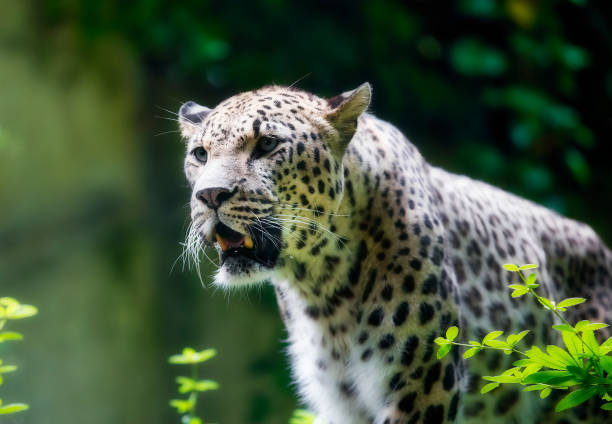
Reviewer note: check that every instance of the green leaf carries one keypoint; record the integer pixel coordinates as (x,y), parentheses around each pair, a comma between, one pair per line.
(580,325)
(503,378)
(531,369)
(576,398)
(10,335)
(520,292)
(606,363)
(12,309)
(572,343)
(7,368)
(186,384)
(511,267)
(519,289)
(190,356)
(525,362)
(572,301)
(560,354)
(515,338)
(512,371)
(12,408)
(24,311)
(182,405)
(607,406)
(497,344)
(301,416)
(544,393)
(577,371)
(543,359)
(488,387)
(471,352)
(545,377)
(452,333)
(594,326)
(588,337)
(606,347)
(528,266)
(443,350)
(194,420)
(564,327)
(441,341)
(190,385)
(547,302)
(492,335)
(206,385)
(531,279)
(534,387)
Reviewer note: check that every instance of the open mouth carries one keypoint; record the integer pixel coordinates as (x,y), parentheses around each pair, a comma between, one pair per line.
(260,245)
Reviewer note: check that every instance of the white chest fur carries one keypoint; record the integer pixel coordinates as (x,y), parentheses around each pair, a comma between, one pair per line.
(330,374)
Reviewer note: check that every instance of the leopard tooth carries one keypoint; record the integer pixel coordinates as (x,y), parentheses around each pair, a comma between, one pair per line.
(222,243)
(248,242)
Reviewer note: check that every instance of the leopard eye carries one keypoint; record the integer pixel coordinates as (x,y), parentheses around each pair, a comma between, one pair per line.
(200,154)
(267,144)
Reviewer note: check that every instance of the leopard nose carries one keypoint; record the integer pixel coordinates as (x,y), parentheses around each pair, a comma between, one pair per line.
(214,196)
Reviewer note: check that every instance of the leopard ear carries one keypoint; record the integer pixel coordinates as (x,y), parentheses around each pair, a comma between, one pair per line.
(190,116)
(346,109)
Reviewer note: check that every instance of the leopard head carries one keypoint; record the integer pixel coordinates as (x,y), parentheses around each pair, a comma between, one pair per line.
(265,167)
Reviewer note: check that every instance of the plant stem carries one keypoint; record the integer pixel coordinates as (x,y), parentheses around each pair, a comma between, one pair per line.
(489,347)
(193,396)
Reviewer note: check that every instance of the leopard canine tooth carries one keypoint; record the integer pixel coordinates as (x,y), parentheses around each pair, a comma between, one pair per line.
(248,242)
(222,243)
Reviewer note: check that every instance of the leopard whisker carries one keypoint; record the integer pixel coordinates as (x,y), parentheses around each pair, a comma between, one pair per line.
(318,227)
(266,233)
(171,112)
(165,132)
(314,211)
(277,225)
(309,221)
(166,118)
(192,248)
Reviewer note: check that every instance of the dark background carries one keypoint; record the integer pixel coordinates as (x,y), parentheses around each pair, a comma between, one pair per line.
(93,203)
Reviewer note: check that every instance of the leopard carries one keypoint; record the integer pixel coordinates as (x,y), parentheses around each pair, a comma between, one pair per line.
(373,253)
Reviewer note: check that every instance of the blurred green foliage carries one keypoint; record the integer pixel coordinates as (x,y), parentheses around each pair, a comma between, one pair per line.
(515,92)
(526,78)
(187,408)
(10,310)
(301,416)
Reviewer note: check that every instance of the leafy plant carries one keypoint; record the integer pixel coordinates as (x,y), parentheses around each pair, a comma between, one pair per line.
(583,365)
(301,416)
(11,309)
(187,407)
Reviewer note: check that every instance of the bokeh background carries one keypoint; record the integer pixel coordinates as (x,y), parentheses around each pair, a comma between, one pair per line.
(93,200)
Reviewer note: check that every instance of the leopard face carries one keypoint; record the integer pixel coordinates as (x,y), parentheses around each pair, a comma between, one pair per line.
(265,167)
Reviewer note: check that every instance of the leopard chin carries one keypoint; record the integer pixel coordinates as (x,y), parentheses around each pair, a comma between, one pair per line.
(246,258)
(237,272)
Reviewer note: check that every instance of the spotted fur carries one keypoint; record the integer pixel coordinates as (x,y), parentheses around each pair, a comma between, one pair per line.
(378,253)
